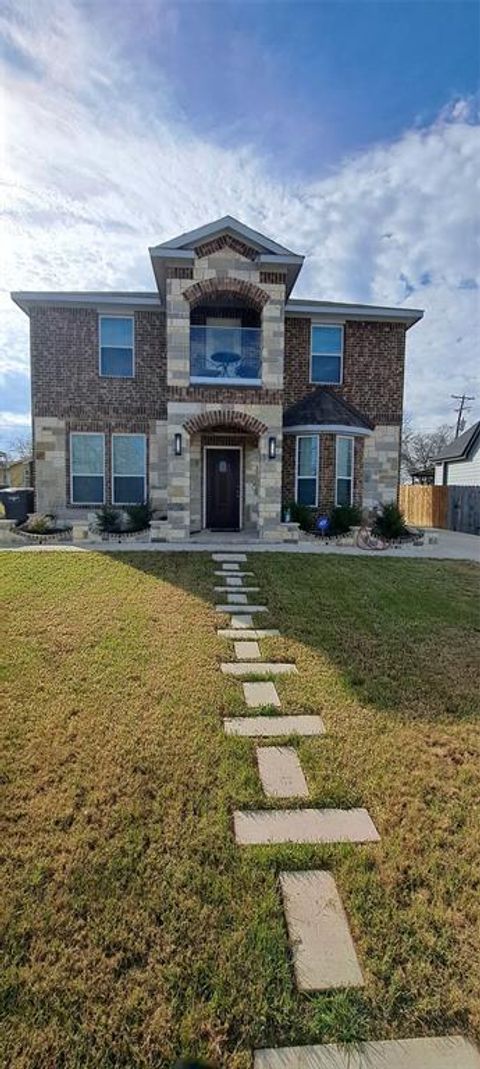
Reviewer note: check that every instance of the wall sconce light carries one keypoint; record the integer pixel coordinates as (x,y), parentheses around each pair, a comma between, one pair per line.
(178,445)
(272,448)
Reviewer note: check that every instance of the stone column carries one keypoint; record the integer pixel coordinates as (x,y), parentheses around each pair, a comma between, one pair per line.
(50,464)
(178,528)
(270,488)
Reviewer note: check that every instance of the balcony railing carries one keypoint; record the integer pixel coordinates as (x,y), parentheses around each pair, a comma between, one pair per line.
(226,355)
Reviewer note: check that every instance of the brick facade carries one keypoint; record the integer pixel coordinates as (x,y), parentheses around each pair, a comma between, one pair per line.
(326,473)
(373,367)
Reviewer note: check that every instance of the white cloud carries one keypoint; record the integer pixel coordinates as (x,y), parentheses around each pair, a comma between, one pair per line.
(100,166)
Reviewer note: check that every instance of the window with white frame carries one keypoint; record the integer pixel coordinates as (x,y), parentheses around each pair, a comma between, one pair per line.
(129,469)
(306,491)
(87,469)
(327,354)
(344,473)
(116,346)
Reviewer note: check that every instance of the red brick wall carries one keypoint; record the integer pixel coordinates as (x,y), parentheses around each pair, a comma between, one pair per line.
(326,483)
(65,367)
(373,367)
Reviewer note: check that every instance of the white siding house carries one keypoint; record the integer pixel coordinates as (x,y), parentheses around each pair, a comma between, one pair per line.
(459,463)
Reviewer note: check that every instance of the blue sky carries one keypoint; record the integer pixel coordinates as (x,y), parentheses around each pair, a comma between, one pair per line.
(346,130)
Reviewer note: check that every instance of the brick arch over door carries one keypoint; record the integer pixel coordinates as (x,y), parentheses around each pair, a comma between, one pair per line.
(215,287)
(225,419)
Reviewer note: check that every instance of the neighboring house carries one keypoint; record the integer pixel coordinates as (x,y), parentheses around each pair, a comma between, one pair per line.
(218,395)
(17,472)
(458,464)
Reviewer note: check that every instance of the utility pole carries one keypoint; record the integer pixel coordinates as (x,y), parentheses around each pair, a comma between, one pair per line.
(461,408)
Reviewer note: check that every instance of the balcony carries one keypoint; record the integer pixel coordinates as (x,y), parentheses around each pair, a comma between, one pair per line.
(227,356)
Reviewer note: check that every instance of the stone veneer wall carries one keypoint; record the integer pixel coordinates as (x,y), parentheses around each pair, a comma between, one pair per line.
(50,463)
(381,466)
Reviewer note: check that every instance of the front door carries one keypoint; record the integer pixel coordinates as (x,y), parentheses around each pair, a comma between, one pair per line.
(223,489)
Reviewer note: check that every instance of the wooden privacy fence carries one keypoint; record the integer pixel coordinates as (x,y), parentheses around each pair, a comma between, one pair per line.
(456,508)
(424,506)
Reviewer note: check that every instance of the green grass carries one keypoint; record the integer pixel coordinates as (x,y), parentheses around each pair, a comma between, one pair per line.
(134,929)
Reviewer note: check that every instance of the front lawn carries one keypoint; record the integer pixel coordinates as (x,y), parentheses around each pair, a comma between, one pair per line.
(134,928)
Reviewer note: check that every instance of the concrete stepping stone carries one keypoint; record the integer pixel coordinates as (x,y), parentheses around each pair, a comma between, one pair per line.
(239,623)
(236,599)
(247,651)
(255,727)
(248,608)
(322,947)
(236,590)
(229,558)
(257,694)
(263,668)
(280,772)
(304,826)
(232,580)
(257,632)
(232,575)
(230,568)
(444,1052)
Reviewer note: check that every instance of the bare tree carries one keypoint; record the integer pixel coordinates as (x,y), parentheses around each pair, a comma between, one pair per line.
(20,448)
(419,448)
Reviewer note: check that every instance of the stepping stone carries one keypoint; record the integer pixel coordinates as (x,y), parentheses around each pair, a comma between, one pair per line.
(281,772)
(254,727)
(244,590)
(229,558)
(248,608)
(247,651)
(233,580)
(232,575)
(256,694)
(237,623)
(237,599)
(227,632)
(444,1052)
(304,826)
(263,668)
(230,568)
(322,948)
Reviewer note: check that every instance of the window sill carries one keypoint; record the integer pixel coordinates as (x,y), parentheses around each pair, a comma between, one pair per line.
(320,382)
(201,380)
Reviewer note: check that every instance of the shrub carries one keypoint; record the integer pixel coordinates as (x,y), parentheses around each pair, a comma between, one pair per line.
(302,515)
(343,517)
(139,516)
(390,522)
(40,523)
(108,520)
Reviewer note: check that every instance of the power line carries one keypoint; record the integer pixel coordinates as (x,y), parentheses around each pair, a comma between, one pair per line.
(462,398)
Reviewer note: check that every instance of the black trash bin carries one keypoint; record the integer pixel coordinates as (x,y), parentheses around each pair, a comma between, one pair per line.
(17,502)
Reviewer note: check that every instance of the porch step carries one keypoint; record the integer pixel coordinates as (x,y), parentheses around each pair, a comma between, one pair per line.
(263,668)
(257,632)
(442,1052)
(322,947)
(304,826)
(254,727)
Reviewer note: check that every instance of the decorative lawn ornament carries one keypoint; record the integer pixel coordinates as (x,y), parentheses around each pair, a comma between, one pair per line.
(322,525)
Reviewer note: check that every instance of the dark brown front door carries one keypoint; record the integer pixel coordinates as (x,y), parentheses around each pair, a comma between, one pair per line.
(223,489)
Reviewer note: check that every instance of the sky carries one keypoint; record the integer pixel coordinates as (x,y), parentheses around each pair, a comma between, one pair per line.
(347,130)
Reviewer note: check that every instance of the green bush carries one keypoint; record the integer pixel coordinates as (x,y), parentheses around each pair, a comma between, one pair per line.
(40,523)
(139,516)
(343,517)
(108,520)
(302,515)
(390,522)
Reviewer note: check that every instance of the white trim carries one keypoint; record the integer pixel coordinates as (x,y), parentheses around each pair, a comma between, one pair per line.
(118,316)
(128,434)
(204,488)
(323,382)
(352,311)
(348,438)
(84,475)
(329,428)
(203,380)
(91,300)
(297,450)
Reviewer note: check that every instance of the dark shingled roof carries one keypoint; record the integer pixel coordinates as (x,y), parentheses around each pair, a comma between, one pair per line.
(461,446)
(323,407)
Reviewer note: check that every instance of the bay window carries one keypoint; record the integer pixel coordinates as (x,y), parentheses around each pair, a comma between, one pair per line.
(344,471)
(306,477)
(129,469)
(87,469)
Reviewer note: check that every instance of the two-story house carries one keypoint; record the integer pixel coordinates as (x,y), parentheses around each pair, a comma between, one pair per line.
(218,395)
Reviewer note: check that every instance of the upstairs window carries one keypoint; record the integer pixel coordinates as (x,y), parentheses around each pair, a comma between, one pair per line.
(116,346)
(307,470)
(87,469)
(327,354)
(129,469)
(344,494)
